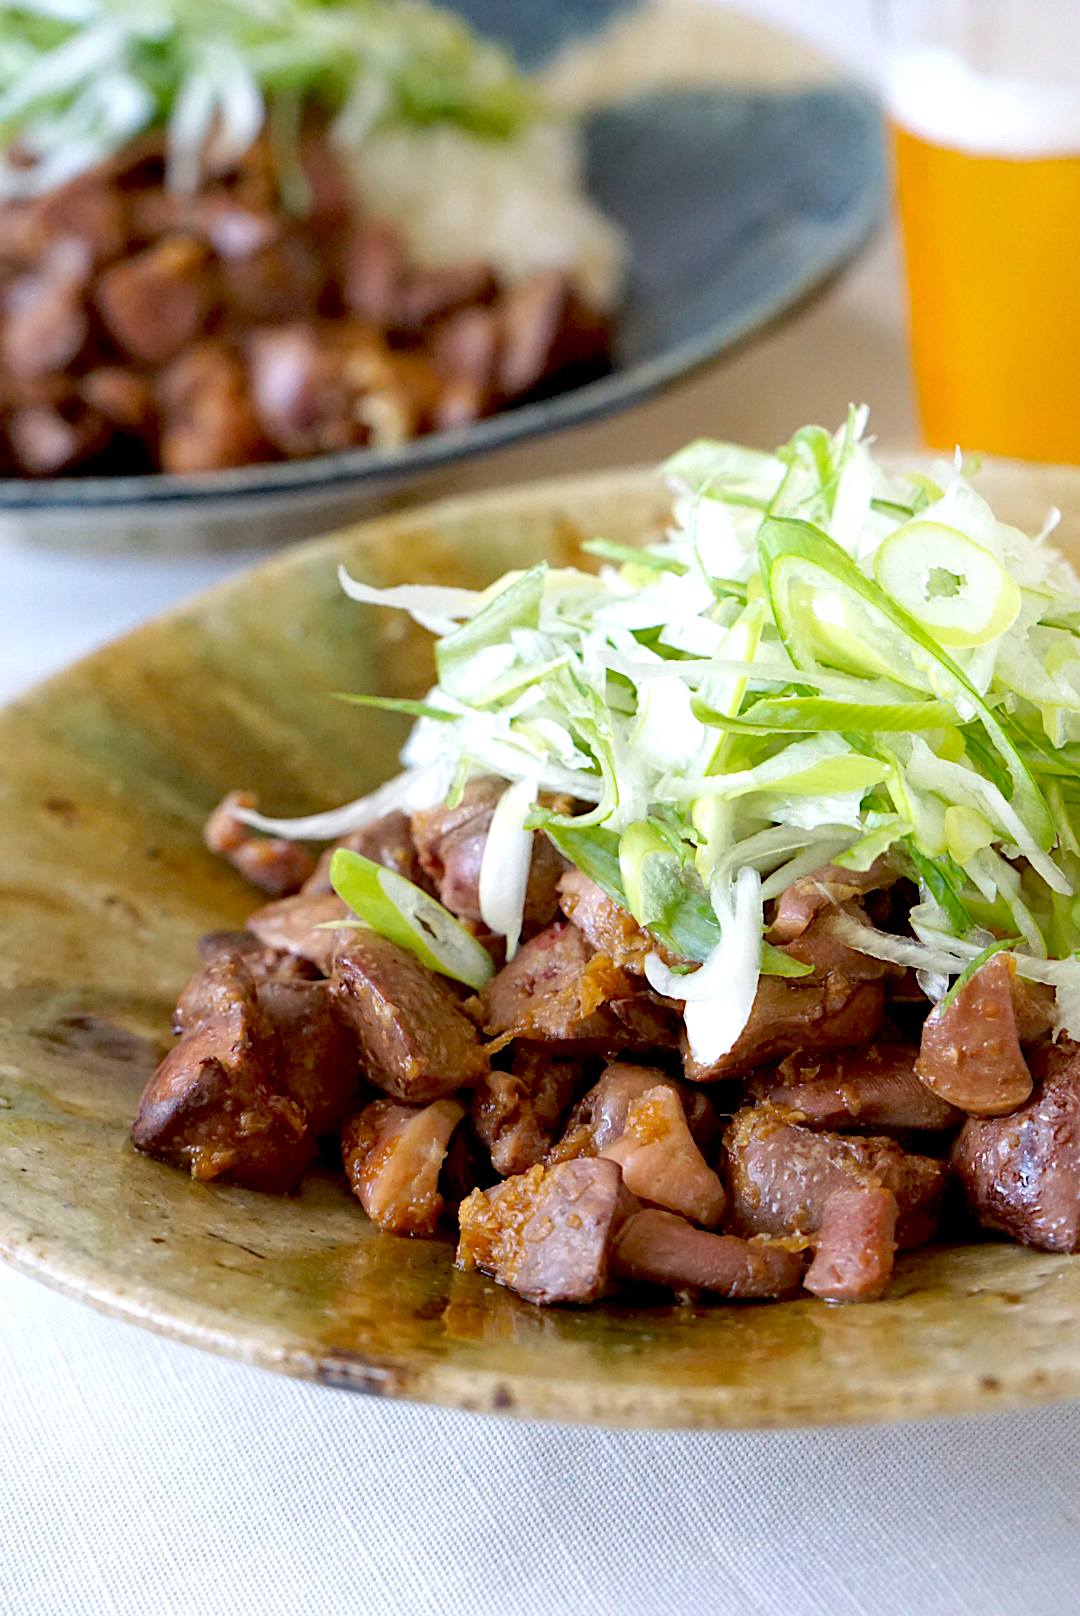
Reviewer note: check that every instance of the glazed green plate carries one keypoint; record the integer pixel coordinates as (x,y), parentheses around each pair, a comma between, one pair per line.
(108,772)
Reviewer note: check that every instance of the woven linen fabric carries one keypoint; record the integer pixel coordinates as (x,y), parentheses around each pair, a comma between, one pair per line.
(142,1478)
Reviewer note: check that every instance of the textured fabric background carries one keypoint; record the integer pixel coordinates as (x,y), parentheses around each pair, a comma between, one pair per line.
(139,1478)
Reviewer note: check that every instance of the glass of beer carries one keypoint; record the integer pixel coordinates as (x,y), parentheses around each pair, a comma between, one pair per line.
(983,106)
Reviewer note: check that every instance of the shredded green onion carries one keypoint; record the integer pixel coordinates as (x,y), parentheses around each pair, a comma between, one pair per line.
(804,671)
(407,915)
(79,80)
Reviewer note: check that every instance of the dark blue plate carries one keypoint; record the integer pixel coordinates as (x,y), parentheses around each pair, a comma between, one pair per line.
(737,203)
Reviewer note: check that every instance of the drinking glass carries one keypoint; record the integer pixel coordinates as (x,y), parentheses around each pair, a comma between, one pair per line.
(983,109)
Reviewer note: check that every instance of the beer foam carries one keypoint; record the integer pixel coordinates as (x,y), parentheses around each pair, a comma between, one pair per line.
(932,93)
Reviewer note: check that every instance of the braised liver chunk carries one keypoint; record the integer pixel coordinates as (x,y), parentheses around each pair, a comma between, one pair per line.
(854,1258)
(428,295)
(1034,1006)
(393,1156)
(1021,1172)
(44,314)
(207,418)
(416,1043)
(268,862)
(600,1115)
(200,996)
(47,439)
(971,1054)
(214,1106)
(828,888)
(660,1162)
(874,1087)
(821,946)
(294,925)
(517,1113)
(557,990)
(278,280)
(316,1062)
(372,272)
(780,1175)
(662,1249)
(547,1233)
(546,328)
(450,845)
(385,841)
(123,397)
(797,1014)
(610,929)
(156,302)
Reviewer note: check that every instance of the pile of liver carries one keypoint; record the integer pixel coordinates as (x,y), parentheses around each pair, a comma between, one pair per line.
(143,330)
(559,1116)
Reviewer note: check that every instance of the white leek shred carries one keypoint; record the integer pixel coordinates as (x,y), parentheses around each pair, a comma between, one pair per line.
(408,793)
(719,996)
(504,868)
(435,607)
(722,698)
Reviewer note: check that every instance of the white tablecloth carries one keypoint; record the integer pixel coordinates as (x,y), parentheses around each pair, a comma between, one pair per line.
(141,1478)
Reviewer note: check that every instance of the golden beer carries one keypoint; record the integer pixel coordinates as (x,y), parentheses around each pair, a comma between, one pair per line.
(993,266)
(987,176)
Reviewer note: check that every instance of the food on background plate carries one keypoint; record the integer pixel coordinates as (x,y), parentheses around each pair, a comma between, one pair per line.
(721,932)
(233,233)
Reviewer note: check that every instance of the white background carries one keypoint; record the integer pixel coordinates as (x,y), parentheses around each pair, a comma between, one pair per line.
(137,1476)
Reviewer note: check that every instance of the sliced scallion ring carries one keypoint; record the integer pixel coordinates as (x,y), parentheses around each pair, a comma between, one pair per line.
(951,585)
(407,915)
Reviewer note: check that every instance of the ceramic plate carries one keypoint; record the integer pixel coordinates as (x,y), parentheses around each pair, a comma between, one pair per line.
(109,771)
(742,175)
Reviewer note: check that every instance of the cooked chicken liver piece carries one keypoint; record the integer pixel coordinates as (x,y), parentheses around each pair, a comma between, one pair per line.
(517,1114)
(199,997)
(157,302)
(662,1249)
(294,925)
(831,887)
(213,1104)
(821,946)
(280,280)
(790,1014)
(450,845)
(854,1258)
(268,862)
(610,929)
(207,420)
(600,1115)
(660,1162)
(546,328)
(416,1043)
(314,1059)
(316,1063)
(871,1087)
(971,1054)
(45,324)
(393,1155)
(547,1234)
(428,295)
(385,841)
(780,1175)
(124,398)
(1021,1172)
(47,439)
(557,990)
(1035,1009)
